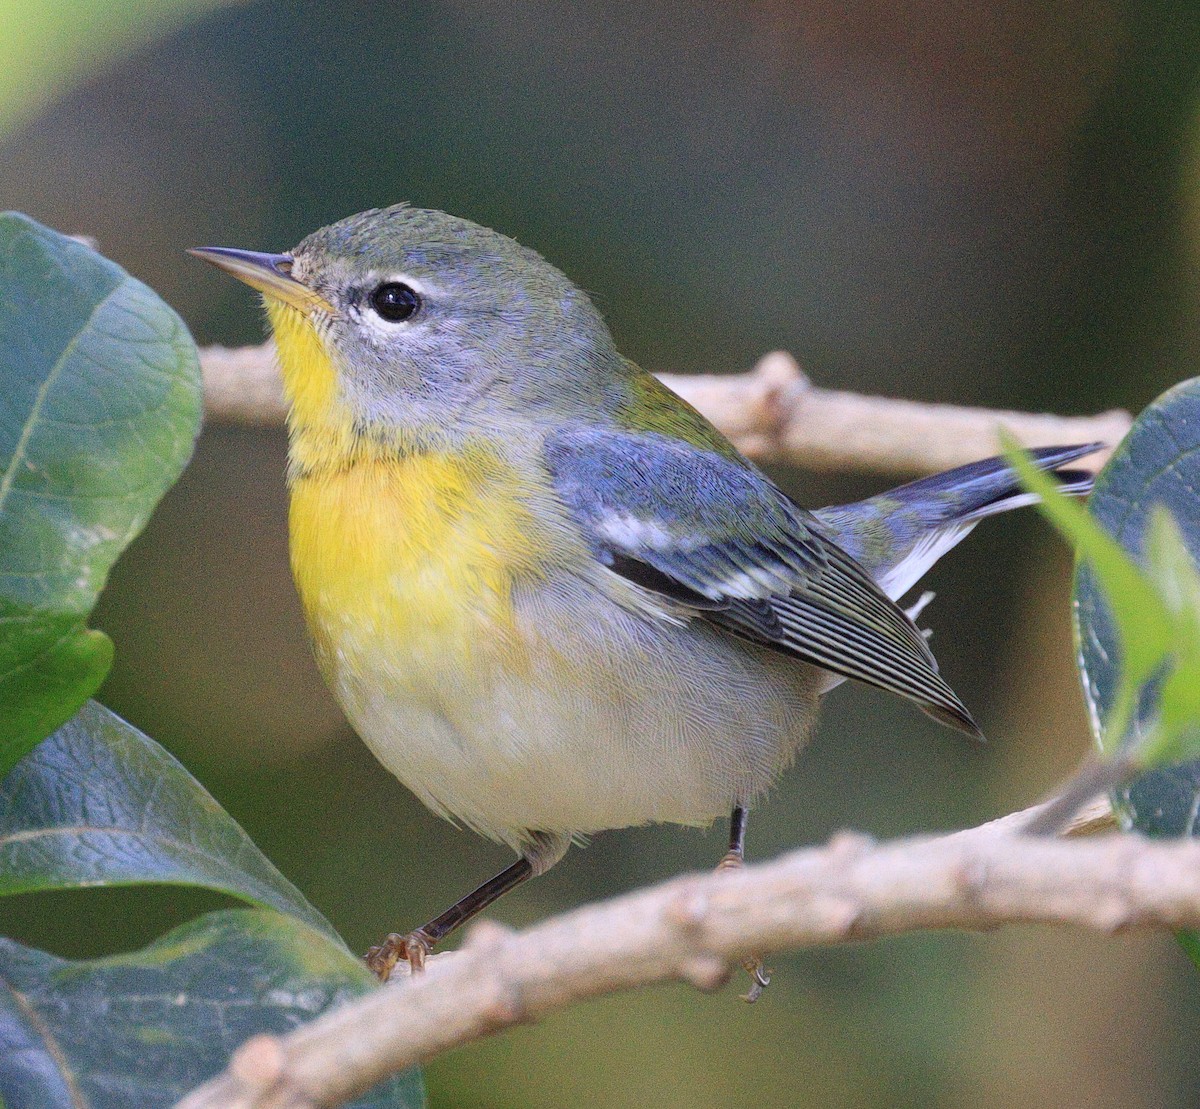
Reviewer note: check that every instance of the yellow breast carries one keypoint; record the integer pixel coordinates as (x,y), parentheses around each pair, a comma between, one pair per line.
(416,554)
(403,557)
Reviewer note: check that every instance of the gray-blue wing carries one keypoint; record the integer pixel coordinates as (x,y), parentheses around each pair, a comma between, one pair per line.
(714,534)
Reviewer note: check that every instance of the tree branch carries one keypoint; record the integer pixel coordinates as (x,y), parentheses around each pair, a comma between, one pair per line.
(773,414)
(697,927)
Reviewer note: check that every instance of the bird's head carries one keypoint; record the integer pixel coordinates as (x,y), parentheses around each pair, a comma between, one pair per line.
(400,317)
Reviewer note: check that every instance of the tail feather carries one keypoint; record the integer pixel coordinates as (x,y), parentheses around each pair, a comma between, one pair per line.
(897,536)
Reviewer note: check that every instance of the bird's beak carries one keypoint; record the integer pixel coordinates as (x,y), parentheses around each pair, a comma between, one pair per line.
(268,273)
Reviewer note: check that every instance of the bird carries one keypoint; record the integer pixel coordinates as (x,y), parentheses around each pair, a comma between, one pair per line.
(549,595)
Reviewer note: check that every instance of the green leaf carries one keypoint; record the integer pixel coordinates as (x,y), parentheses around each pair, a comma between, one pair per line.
(1141,621)
(1175,736)
(1157,464)
(100,804)
(100,404)
(144,1028)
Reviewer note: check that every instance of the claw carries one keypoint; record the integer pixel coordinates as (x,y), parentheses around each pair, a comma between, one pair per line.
(412,948)
(760,979)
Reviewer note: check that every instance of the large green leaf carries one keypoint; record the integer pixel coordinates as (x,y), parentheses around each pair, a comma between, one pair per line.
(138,1031)
(100,405)
(100,804)
(1146,498)
(1157,464)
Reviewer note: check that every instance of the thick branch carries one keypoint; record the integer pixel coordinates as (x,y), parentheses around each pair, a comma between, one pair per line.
(773,414)
(695,928)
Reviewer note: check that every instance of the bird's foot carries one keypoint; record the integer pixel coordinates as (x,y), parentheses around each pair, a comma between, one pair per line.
(413,947)
(760,977)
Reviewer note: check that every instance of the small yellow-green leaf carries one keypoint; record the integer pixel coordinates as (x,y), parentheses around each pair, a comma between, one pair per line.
(1142,622)
(1175,735)
(1171,570)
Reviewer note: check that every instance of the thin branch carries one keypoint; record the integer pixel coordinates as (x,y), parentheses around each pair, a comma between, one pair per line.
(773,414)
(242,385)
(1089,819)
(1093,776)
(696,928)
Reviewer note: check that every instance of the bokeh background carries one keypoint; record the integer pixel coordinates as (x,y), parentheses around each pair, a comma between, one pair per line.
(989,203)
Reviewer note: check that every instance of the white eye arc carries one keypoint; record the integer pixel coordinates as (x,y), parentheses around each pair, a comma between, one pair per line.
(386,305)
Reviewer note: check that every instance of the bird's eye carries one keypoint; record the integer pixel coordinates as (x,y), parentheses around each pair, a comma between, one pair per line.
(395,302)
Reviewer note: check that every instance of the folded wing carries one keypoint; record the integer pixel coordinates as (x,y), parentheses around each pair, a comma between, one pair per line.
(717,537)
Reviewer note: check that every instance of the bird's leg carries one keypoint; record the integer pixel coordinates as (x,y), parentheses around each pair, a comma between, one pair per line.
(760,977)
(736,855)
(543,852)
(414,946)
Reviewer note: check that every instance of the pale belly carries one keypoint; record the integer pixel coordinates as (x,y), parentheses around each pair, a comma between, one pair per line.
(591,718)
(507,697)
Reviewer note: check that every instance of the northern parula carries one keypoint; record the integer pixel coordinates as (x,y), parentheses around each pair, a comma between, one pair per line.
(550,596)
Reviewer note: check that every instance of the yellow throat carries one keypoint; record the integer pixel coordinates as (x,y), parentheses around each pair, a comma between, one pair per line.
(397,551)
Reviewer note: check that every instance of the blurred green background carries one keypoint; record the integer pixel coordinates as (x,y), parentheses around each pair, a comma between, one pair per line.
(993,203)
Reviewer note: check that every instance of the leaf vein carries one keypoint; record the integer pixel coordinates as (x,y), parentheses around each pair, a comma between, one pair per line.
(43,392)
(53,1047)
